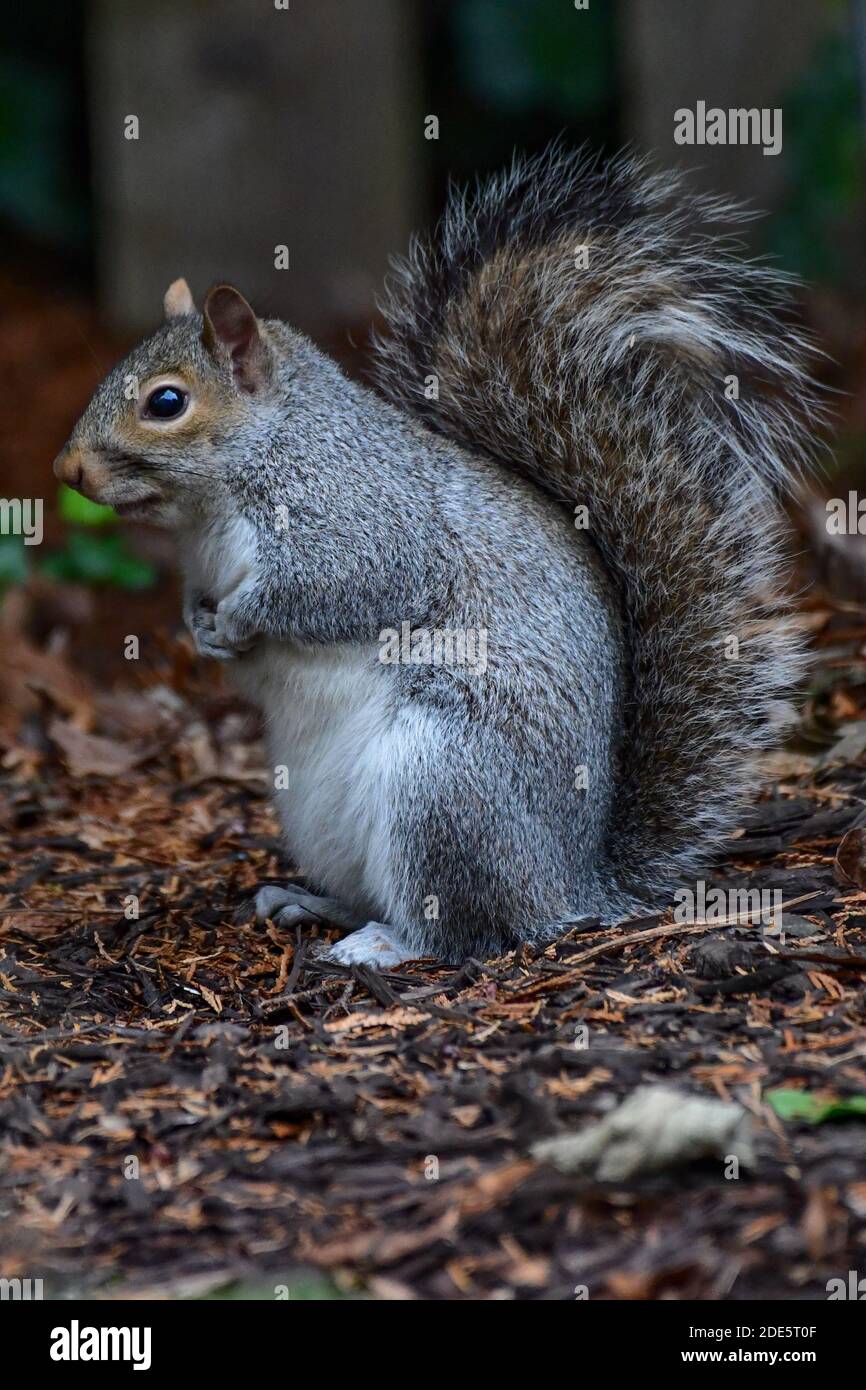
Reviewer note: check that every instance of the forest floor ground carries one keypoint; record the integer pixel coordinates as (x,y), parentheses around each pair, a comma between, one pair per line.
(192,1103)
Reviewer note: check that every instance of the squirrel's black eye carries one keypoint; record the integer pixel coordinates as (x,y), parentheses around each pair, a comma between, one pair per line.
(166,402)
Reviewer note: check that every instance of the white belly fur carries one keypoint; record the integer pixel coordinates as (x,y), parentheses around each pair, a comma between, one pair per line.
(330,721)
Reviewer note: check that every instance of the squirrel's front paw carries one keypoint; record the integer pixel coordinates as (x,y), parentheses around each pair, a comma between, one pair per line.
(209,636)
(209,642)
(232,627)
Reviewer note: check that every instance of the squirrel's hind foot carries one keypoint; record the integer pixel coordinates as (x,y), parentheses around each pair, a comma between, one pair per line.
(375,945)
(293,906)
(369,943)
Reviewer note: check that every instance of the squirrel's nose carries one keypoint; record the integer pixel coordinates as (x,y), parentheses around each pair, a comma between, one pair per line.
(69,467)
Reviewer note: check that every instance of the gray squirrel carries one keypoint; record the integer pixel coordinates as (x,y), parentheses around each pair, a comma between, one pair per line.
(512,620)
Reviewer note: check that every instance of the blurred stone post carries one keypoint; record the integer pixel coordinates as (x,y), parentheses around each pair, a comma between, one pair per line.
(225,129)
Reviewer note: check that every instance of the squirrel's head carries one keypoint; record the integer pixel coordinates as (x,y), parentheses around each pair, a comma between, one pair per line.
(151,440)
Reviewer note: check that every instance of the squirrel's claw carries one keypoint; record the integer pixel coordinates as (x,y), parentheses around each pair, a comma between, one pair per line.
(209,634)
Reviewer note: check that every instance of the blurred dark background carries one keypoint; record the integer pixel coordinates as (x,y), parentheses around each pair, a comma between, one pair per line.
(305,124)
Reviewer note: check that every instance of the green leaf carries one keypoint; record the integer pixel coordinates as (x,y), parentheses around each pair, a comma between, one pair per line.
(130,572)
(790,1104)
(90,558)
(81,511)
(13,560)
(299,1290)
(519,57)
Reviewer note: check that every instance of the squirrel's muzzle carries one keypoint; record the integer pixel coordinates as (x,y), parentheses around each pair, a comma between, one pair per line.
(69,467)
(82,470)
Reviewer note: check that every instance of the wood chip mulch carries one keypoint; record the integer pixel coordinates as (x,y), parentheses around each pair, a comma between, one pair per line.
(188,1099)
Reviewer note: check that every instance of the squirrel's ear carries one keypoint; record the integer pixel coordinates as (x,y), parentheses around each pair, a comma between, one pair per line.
(230,326)
(178,300)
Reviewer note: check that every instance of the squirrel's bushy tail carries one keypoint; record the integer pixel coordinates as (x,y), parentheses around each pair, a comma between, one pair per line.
(587,325)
